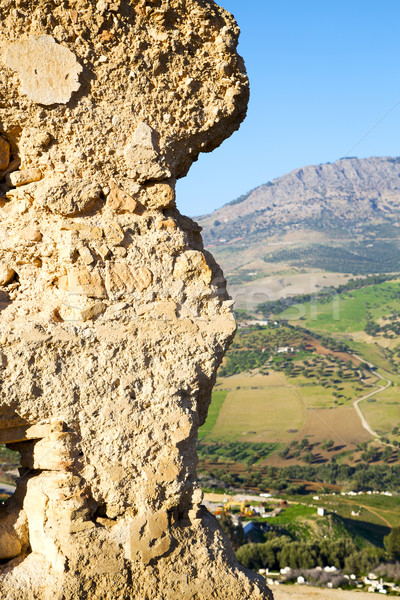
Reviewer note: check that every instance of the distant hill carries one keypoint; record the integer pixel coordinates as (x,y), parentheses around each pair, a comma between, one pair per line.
(342,217)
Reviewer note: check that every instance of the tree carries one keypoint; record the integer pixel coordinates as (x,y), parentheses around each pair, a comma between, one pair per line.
(233,532)
(284,452)
(392,544)
(308,457)
(387,453)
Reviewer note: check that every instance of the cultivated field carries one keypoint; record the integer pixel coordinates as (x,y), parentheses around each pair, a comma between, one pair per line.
(274,408)
(254,410)
(341,424)
(294,385)
(353,317)
(279,283)
(384,413)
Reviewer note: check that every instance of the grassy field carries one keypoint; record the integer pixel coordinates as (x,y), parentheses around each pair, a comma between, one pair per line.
(376,509)
(218,398)
(384,412)
(348,312)
(348,318)
(371,352)
(303,522)
(266,285)
(253,410)
(274,408)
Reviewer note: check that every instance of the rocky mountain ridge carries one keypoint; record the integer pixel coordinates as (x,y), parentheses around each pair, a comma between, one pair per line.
(337,198)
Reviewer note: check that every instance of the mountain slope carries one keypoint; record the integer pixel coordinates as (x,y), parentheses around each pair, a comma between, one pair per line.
(351,207)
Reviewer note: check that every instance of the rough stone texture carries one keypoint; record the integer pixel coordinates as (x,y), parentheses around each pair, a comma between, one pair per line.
(49,72)
(113,319)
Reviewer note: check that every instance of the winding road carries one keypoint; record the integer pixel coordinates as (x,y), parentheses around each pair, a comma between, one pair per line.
(356,403)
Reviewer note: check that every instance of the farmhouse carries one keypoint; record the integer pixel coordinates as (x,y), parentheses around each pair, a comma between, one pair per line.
(285,349)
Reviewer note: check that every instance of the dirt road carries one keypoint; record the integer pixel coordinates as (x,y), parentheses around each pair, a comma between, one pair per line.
(306,592)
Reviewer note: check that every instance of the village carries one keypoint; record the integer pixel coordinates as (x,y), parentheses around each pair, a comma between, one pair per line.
(258,514)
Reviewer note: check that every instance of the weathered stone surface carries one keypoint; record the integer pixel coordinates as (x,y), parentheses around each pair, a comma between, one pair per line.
(31,234)
(86,283)
(19,178)
(68,198)
(143,157)
(159,195)
(113,318)
(193,265)
(120,201)
(122,278)
(7,274)
(12,530)
(49,72)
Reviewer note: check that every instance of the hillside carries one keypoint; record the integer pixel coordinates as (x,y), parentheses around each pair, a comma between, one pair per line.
(316,388)
(350,193)
(342,218)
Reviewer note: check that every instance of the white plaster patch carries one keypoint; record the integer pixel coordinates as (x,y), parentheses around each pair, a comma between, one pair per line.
(49,72)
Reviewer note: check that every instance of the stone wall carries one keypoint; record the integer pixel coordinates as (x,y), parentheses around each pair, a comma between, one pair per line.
(113,318)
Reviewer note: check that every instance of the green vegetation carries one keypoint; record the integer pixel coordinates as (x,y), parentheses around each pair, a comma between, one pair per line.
(244,276)
(234,532)
(309,374)
(252,411)
(9,461)
(299,538)
(362,476)
(240,199)
(324,296)
(218,398)
(282,552)
(392,544)
(348,312)
(358,258)
(284,348)
(235,452)
(287,425)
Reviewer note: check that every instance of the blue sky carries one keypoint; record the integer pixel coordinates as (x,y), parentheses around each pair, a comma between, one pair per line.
(322,74)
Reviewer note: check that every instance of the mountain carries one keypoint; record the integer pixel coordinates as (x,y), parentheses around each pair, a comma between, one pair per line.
(342,217)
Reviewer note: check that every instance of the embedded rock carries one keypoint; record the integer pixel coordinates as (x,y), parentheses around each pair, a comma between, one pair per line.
(48,71)
(113,319)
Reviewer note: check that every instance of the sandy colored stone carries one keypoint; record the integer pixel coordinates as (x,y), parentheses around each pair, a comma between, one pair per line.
(158,195)
(93,311)
(4,154)
(31,234)
(167,224)
(120,201)
(7,274)
(122,278)
(86,255)
(142,154)
(113,233)
(49,72)
(112,327)
(193,264)
(68,198)
(81,281)
(12,533)
(18,178)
